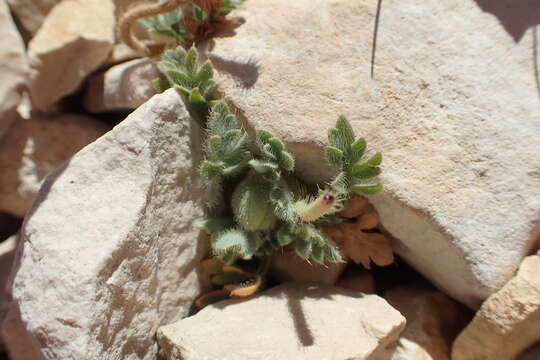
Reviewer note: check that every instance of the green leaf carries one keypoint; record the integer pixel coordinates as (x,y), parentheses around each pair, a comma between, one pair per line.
(206,73)
(345,130)
(318,254)
(364,171)
(303,248)
(221,120)
(286,161)
(263,167)
(192,56)
(285,236)
(251,204)
(244,244)
(334,156)
(357,151)
(284,203)
(375,160)
(180,79)
(340,184)
(211,169)
(195,97)
(367,189)
(198,13)
(214,191)
(216,224)
(332,254)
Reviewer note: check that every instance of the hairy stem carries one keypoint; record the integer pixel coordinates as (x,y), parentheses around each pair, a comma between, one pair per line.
(143,10)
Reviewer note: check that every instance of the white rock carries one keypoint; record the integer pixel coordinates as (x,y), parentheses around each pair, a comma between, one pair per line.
(122,87)
(31,13)
(7,254)
(13,67)
(433,322)
(291,321)
(453,107)
(109,250)
(508,321)
(74,40)
(31,149)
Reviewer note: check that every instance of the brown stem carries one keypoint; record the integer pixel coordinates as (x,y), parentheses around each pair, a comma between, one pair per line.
(143,10)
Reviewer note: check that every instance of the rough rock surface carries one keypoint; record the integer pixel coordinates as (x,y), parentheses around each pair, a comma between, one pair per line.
(109,251)
(291,321)
(32,148)
(508,321)
(74,40)
(7,254)
(31,13)
(433,322)
(13,67)
(122,87)
(453,105)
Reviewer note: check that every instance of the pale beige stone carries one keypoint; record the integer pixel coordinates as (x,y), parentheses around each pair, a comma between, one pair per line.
(290,321)
(453,107)
(31,13)
(13,69)
(508,321)
(122,87)
(7,254)
(109,250)
(287,266)
(433,322)
(32,148)
(74,40)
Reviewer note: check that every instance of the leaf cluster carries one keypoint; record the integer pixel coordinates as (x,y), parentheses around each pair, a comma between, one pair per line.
(253,195)
(194,81)
(346,153)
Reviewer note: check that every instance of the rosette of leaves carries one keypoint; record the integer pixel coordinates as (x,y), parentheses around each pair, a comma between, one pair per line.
(194,81)
(191,20)
(345,153)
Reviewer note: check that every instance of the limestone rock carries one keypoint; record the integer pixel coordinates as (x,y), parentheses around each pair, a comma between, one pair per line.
(433,322)
(32,148)
(109,250)
(31,13)
(123,86)
(7,254)
(74,40)
(452,105)
(290,321)
(288,266)
(13,67)
(508,321)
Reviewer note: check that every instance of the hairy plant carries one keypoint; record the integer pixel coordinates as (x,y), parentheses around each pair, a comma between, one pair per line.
(177,22)
(256,203)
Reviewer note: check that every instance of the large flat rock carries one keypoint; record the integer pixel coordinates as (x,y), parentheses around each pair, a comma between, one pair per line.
(108,251)
(453,105)
(290,321)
